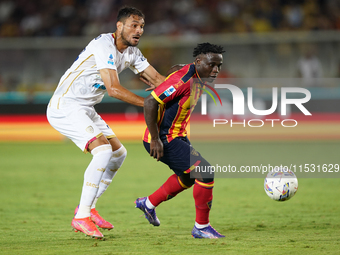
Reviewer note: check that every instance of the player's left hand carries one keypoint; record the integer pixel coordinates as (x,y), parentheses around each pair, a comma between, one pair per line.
(147,82)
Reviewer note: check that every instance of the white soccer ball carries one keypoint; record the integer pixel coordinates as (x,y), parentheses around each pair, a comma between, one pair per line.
(280,184)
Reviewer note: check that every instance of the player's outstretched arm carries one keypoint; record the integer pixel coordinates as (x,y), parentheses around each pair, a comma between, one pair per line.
(150,115)
(151,77)
(114,89)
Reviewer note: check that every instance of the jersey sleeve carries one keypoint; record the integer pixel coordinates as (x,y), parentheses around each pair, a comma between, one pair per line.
(169,90)
(104,53)
(139,62)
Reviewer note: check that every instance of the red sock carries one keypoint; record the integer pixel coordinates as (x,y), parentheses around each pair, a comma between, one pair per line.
(203,199)
(168,190)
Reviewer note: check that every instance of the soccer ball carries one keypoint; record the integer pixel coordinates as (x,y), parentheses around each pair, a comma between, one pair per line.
(280,184)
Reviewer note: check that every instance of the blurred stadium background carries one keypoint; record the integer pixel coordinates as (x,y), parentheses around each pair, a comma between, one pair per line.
(39,40)
(265,42)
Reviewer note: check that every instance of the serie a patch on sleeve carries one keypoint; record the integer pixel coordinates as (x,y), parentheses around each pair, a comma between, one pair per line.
(110,61)
(169,91)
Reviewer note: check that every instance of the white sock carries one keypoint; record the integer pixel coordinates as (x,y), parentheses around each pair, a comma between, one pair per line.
(83,212)
(95,201)
(103,185)
(200,226)
(149,204)
(92,177)
(116,161)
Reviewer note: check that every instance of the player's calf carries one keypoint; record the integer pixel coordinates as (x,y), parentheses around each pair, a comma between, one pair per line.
(115,162)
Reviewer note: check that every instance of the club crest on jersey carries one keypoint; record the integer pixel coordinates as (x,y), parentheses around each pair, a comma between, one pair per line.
(169,91)
(110,61)
(89,129)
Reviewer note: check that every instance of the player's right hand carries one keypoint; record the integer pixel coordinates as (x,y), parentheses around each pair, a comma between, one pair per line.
(156,149)
(147,82)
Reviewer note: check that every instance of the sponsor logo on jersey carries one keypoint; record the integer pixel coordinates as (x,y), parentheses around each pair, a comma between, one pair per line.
(178,84)
(169,91)
(143,58)
(110,61)
(194,152)
(98,86)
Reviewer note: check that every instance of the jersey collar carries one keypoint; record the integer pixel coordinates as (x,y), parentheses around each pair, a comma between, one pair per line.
(199,78)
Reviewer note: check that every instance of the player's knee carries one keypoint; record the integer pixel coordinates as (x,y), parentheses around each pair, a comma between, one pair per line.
(118,157)
(202,172)
(186,180)
(103,151)
(206,180)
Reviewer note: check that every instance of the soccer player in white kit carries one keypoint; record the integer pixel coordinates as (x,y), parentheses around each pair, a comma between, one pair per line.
(71,109)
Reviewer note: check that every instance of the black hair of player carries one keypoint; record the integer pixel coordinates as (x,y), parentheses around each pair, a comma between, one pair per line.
(127,11)
(204,48)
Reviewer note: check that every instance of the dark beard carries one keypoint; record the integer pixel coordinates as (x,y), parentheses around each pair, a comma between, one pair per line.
(126,42)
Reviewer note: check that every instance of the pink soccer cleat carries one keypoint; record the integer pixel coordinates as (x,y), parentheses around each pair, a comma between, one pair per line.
(86,226)
(97,219)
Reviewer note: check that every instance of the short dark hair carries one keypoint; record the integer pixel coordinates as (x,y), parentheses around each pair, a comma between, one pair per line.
(207,48)
(127,11)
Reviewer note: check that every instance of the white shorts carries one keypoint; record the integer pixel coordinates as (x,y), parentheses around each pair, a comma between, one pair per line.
(81,124)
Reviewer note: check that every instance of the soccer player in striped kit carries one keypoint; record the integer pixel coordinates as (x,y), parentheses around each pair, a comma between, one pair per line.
(167,112)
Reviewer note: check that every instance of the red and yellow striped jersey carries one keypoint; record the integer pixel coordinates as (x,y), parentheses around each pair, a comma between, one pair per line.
(177,96)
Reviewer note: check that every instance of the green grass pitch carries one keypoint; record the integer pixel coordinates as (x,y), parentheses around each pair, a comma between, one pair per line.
(41,183)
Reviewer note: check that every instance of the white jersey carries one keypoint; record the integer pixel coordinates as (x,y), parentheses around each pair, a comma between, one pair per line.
(82,83)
